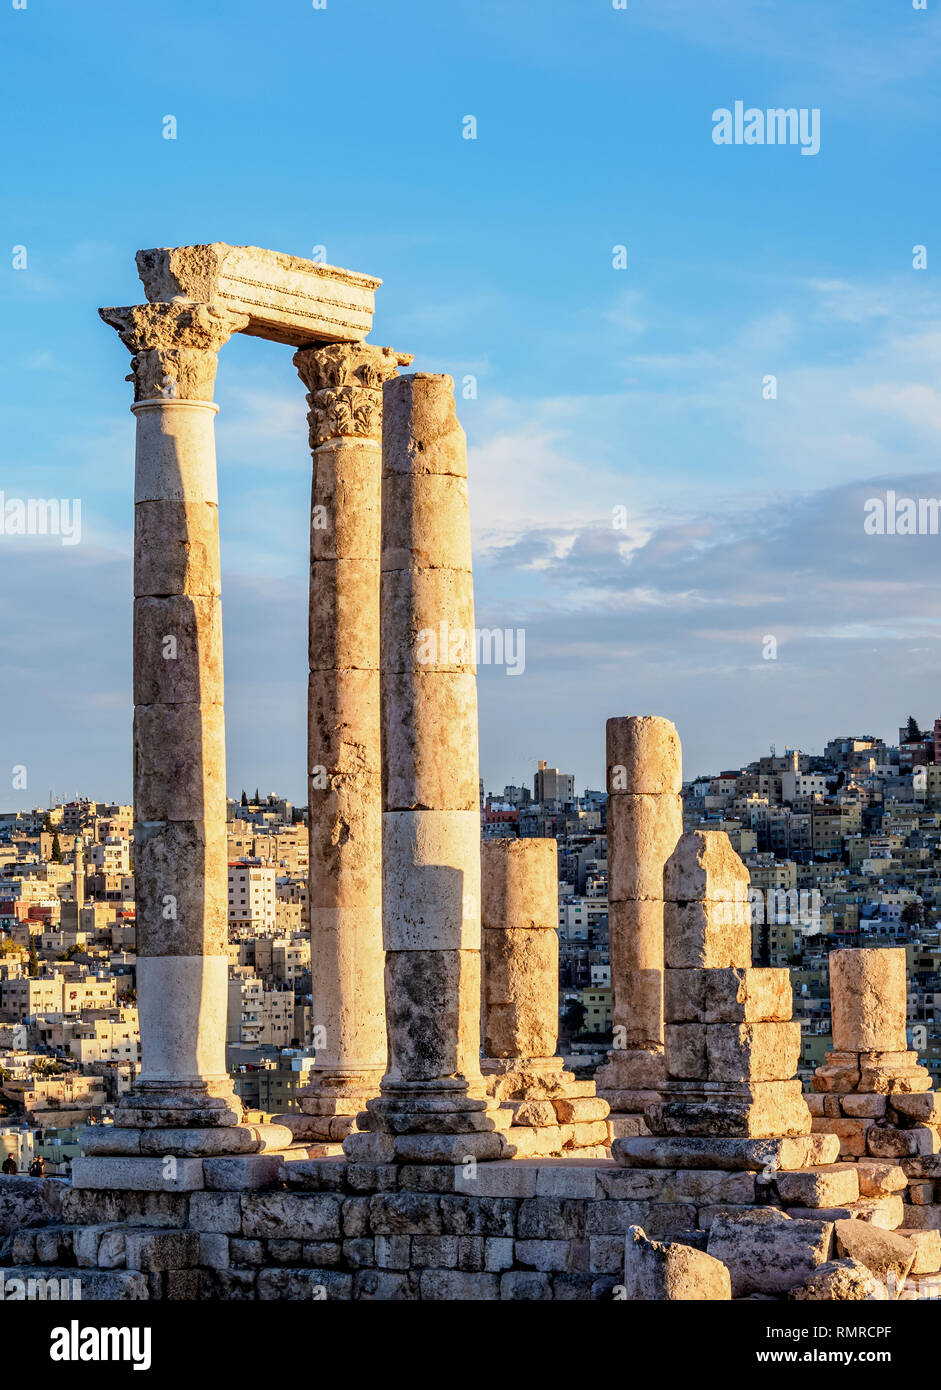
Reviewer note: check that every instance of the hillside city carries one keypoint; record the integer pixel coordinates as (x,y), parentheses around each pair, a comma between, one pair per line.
(843,849)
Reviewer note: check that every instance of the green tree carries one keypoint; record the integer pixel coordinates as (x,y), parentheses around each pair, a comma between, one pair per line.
(33,963)
(573,1017)
(56,849)
(913,914)
(257,801)
(912,732)
(244,797)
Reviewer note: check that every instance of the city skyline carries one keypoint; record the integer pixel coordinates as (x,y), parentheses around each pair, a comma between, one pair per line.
(641,511)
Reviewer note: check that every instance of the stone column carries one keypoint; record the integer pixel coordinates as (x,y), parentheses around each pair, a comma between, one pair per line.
(645,821)
(180,861)
(344,382)
(432,1106)
(871,1089)
(552,1113)
(520,919)
(868,1000)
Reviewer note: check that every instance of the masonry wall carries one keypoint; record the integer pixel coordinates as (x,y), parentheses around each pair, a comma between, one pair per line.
(519,1230)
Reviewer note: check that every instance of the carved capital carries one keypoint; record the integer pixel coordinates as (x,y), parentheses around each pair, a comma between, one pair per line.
(344,388)
(175,346)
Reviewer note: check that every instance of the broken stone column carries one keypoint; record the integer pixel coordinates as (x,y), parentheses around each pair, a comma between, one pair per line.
(432,1106)
(552,1112)
(179,735)
(645,821)
(344,382)
(732,1049)
(730,1128)
(872,1094)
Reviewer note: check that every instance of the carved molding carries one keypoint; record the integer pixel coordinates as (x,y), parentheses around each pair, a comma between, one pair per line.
(174,346)
(344,388)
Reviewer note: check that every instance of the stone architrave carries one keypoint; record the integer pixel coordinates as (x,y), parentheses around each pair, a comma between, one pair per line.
(283,298)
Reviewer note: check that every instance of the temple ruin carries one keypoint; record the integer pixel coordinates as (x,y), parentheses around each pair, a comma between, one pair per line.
(442,1150)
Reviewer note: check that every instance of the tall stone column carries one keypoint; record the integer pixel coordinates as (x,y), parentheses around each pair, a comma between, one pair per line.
(180,862)
(645,821)
(520,919)
(344,382)
(432,1106)
(552,1112)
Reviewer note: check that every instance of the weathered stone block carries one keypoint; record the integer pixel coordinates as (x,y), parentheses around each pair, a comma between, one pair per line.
(882,1252)
(844,1280)
(576,1178)
(922,1218)
(401,1213)
(217,1212)
(757,1108)
(879,1178)
(819,1187)
(544,1255)
(927,1246)
(706,935)
(654,1271)
(154,1251)
(291,1215)
(453,1284)
(138,1174)
(664,1220)
(767,1252)
(240,1172)
(752,1155)
(439,1252)
(393,1252)
(430,998)
(923,1107)
(214,1250)
(883,1142)
(746,995)
(753,1051)
(504,1178)
(861,1106)
(704,866)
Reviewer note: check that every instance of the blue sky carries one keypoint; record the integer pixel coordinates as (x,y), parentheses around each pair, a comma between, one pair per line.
(598,388)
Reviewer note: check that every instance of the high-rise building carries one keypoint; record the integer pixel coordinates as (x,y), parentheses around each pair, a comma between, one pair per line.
(549,784)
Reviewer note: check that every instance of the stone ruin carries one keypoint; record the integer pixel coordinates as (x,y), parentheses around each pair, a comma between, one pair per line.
(423,1165)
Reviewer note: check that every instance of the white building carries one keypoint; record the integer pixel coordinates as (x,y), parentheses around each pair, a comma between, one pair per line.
(252,896)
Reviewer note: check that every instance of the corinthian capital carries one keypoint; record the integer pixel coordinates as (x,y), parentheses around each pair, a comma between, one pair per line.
(344,388)
(174,346)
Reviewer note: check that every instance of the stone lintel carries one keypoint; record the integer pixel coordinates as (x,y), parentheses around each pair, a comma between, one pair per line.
(287,299)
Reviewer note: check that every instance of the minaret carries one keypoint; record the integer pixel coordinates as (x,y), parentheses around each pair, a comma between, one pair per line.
(78,878)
